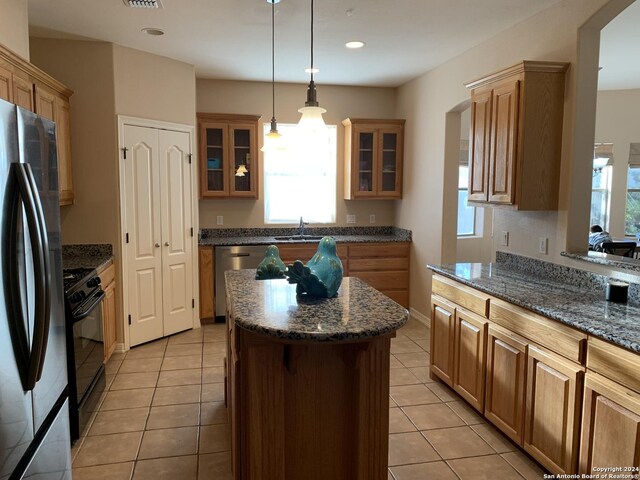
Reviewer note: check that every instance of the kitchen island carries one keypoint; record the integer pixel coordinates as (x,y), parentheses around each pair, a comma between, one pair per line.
(308,380)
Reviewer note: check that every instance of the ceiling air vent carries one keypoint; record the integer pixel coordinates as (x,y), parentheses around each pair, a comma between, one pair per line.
(143,3)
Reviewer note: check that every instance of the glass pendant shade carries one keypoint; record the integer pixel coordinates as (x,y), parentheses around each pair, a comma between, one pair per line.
(241,171)
(311,119)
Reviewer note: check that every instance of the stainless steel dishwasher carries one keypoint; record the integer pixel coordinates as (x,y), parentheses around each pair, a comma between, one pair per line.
(234,258)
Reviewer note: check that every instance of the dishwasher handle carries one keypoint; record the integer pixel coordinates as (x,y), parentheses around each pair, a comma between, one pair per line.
(235,255)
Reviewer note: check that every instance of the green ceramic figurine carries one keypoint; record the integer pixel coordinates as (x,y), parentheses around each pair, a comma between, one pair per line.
(322,275)
(271,266)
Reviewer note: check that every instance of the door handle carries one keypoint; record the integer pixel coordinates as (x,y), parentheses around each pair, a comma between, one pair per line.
(157,245)
(166,244)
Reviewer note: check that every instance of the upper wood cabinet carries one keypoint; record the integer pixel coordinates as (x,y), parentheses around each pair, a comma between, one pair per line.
(228,147)
(516,136)
(373,158)
(29,87)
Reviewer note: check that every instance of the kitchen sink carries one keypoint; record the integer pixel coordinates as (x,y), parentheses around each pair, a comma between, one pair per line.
(300,237)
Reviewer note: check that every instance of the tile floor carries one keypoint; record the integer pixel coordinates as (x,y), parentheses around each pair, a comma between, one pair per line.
(163,417)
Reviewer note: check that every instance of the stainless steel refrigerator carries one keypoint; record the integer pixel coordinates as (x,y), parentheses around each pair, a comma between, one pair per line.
(34,424)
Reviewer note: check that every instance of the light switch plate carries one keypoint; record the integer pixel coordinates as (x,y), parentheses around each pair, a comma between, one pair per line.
(351,219)
(220,220)
(543,245)
(504,239)
(372,218)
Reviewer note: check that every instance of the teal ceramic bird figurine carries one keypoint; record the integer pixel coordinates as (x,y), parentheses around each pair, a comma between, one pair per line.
(322,275)
(271,266)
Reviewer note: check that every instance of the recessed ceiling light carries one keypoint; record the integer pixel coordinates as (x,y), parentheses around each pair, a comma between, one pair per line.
(312,70)
(153,31)
(354,44)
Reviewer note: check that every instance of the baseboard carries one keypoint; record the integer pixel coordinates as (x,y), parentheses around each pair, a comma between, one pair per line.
(419,316)
(119,348)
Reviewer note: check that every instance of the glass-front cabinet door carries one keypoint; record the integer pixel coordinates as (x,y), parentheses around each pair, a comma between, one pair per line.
(390,166)
(365,167)
(214,182)
(243,149)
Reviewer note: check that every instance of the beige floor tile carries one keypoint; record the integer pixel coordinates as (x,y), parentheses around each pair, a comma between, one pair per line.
(212,392)
(182,349)
(215,348)
(213,413)
(108,380)
(395,363)
(182,363)
(172,416)
(499,442)
(117,357)
(172,468)
(524,465)
(214,466)
(190,336)
(436,415)
(413,359)
(457,442)
(444,392)
(215,336)
(172,378)
(213,360)
(116,400)
(127,381)
(139,365)
(169,442)
(103,449)
(422,374)
(404,345)
(405,448)
(119,421)
(466,412)
(405,395)
(214,438)
(176,395)
(490,467)
(399,422)
(424,471)
(150,350)
(422,342)
(114,471)
(402,376)
(213,374)
(112,366)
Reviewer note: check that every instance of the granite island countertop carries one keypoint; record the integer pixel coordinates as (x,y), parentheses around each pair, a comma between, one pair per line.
(575,305)
(272,308)
(94,255)
(266,236)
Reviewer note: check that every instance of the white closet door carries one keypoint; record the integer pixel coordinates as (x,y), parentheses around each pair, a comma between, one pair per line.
(177,255)
(143,223)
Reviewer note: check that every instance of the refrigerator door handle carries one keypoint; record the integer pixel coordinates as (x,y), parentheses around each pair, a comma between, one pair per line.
(42,277)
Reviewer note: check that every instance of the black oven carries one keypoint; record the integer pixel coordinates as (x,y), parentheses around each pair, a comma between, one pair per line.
(85,346)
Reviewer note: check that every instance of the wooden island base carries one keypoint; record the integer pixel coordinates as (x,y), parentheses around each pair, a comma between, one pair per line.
(308,410)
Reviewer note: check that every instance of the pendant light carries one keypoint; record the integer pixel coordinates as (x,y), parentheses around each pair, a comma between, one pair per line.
(311,112)
(273,138)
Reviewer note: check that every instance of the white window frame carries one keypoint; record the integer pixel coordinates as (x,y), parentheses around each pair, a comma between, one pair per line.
(626,203)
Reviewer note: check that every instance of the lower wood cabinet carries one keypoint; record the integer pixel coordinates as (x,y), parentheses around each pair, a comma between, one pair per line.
(107,280)
(443,315)
(205,278)
(552,414)
(470,344)
(506,366)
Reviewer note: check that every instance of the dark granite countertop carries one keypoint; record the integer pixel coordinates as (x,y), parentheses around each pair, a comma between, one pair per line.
(94,255)
(272,308)
(578,306)
(265,236)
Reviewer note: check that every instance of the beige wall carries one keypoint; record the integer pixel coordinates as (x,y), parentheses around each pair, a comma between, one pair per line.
(551,35)
(153,87)
(14,26)
(218,96)
(617,123)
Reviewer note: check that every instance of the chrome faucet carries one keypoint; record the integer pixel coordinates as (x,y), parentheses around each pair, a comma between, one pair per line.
(301,227)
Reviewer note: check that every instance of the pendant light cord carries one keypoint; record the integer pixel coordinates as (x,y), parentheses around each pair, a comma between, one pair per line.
(312,40)
(273,60)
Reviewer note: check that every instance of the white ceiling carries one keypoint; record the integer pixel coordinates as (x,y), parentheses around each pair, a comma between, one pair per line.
(231,39)
(620,51)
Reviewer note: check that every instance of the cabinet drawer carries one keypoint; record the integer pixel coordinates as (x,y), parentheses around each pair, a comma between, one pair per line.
(107,275)
(378,264)
(614,362)
(379,250)
(462,295)
(304,251)
(384,280)
(550,334)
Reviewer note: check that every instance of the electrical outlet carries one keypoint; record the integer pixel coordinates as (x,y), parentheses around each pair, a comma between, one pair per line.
(504,240)
(220,220)
(372,218)
(351,219)
(543,245)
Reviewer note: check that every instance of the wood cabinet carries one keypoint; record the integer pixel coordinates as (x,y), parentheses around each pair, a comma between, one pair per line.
(373,158)
(29,87)
(516,136)
(205,276)
(443,315)
(470,344)
(228,155)
(109,320)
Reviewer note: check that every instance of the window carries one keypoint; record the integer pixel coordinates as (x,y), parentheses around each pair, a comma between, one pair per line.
(601,197)
(300,180)
(466,214)
(632,213)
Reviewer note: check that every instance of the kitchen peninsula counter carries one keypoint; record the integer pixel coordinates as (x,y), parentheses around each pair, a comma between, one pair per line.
(308,379)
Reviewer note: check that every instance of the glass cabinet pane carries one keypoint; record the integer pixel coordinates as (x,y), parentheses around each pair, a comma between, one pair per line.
(242,159)
(365,162)
(389,161)
(215,159)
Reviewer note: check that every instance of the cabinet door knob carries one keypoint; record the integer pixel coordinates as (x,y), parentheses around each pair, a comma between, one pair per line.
(166,244)
(157,245)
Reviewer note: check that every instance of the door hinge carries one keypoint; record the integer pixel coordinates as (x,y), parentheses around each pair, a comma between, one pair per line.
(129,319)
(192,231)
(124,152)
(189,157)
(193,303)
(126,237)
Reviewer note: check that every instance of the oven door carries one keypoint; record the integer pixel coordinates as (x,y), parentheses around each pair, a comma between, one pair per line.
(88,343)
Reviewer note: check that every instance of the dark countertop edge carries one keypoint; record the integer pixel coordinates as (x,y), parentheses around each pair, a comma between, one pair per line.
(104,265)
(99,263)
(612,261)
(603,335)
(230,241)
